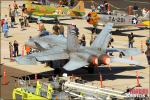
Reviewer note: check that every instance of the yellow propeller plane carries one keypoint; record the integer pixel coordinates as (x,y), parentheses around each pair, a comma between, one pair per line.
(54,11)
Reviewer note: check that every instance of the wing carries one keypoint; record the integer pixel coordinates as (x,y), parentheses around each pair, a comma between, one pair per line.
(75,63)
(48,55)
(54,54)
(47,42)
(26,60)
(126,52)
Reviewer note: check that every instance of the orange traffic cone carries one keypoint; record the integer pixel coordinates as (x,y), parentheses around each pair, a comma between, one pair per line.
(56,98)
(101,81)
(5,82)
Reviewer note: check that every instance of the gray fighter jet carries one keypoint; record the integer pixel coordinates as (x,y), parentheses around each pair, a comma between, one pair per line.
(58,48)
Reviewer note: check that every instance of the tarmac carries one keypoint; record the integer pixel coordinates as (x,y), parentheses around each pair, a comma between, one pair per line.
(119,77)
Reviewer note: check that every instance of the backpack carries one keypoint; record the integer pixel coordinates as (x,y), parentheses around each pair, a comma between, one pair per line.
(2,22)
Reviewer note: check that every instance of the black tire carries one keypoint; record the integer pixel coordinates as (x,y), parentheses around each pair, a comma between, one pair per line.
(57,71)
(90,70)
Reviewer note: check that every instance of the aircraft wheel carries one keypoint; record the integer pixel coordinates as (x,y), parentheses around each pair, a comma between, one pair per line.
(90,70)
(57,71)
(117,31)
(56,20)
(49,64)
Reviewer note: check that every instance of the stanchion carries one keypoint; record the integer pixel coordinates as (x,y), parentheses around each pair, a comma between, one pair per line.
(5,81)
(11,56)
(101,81)
(23,51)
(131,57)
(16,84)
(36,77)
(109,67)
(108,9)
(142,49)
(137,79)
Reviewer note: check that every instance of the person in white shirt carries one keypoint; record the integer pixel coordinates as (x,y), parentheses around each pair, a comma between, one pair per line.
(144,11)
(5,19)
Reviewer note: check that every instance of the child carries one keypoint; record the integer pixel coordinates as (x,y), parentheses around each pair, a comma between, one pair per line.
(5,29)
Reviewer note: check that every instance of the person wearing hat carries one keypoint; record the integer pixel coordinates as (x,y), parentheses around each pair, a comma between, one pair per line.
(131,40)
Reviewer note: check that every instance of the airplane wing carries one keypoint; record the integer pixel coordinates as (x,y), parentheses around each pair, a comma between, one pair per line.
(48,55)
(75,63)
(126,52)
(26,60)
(46,42)
(52,55)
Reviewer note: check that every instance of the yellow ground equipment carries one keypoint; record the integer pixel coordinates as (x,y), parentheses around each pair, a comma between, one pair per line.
(42,91)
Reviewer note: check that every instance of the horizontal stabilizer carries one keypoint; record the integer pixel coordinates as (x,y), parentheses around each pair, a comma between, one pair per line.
(126,52)
(122,60)
(75,63)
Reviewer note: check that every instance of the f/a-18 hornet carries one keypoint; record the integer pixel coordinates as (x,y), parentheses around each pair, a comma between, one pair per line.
(54,47)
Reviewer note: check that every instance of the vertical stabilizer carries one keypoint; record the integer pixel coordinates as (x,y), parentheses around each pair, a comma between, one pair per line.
(103,38)
(72,40)
(78,10)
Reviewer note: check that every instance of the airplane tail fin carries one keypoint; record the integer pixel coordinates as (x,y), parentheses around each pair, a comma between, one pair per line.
(72,40)
(28,5)
(78,10)
(103,38)
(28,2)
